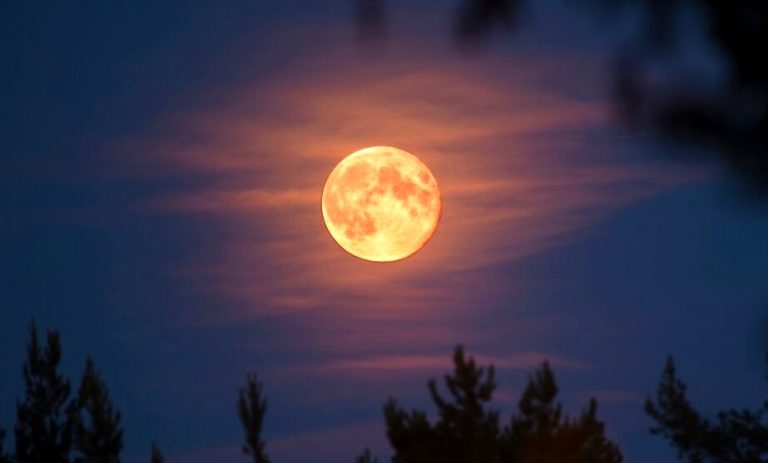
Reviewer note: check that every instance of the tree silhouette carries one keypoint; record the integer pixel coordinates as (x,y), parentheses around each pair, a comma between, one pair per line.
(476,19)
(366,457)
(251,407)
(42,429)
(732,117)
(737,436)
(157,455)
(540,433)
(467,431)
(95,421)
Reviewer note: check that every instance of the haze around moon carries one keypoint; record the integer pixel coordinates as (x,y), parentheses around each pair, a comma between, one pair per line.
(381,204)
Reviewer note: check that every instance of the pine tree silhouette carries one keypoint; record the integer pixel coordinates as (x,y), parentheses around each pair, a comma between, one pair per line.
(42,429)
(251,407)
(157,455)
(95,421)
(738,436)
(467,431)
(540,433)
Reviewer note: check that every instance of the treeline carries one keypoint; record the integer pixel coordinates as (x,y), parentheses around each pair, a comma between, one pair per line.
(58,424)
(55,425)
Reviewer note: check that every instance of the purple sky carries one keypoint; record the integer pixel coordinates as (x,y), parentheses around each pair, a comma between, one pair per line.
(161,173)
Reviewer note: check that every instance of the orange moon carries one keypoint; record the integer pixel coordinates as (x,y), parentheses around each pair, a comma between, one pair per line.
(381,204)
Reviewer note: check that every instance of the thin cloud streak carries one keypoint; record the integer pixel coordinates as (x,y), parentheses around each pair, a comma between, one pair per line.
(513,183)
(523,167)
(419,365)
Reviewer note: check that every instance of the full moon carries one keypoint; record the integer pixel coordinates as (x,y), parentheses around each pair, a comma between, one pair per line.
(381,204)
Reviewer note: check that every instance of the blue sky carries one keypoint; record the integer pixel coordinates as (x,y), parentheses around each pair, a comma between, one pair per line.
(160,176)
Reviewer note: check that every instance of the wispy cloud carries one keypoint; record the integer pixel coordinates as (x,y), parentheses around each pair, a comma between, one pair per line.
(523,167)
(515,179)
(420,363)
(378,366)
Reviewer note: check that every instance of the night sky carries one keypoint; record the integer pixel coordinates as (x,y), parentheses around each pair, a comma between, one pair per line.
(161,166)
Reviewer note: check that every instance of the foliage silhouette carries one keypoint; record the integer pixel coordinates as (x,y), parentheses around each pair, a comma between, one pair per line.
(157,455)
(95,421)
(50,426)
(251,407)
(737,436)
(366,457)
(467,431)
(731,117)
(476,19)
(43,433)
(540,433)
(371,20)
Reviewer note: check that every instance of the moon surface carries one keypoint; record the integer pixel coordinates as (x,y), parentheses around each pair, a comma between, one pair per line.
(381,204)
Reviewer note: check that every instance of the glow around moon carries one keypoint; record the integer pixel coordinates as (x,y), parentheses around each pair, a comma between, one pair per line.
(381,204)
